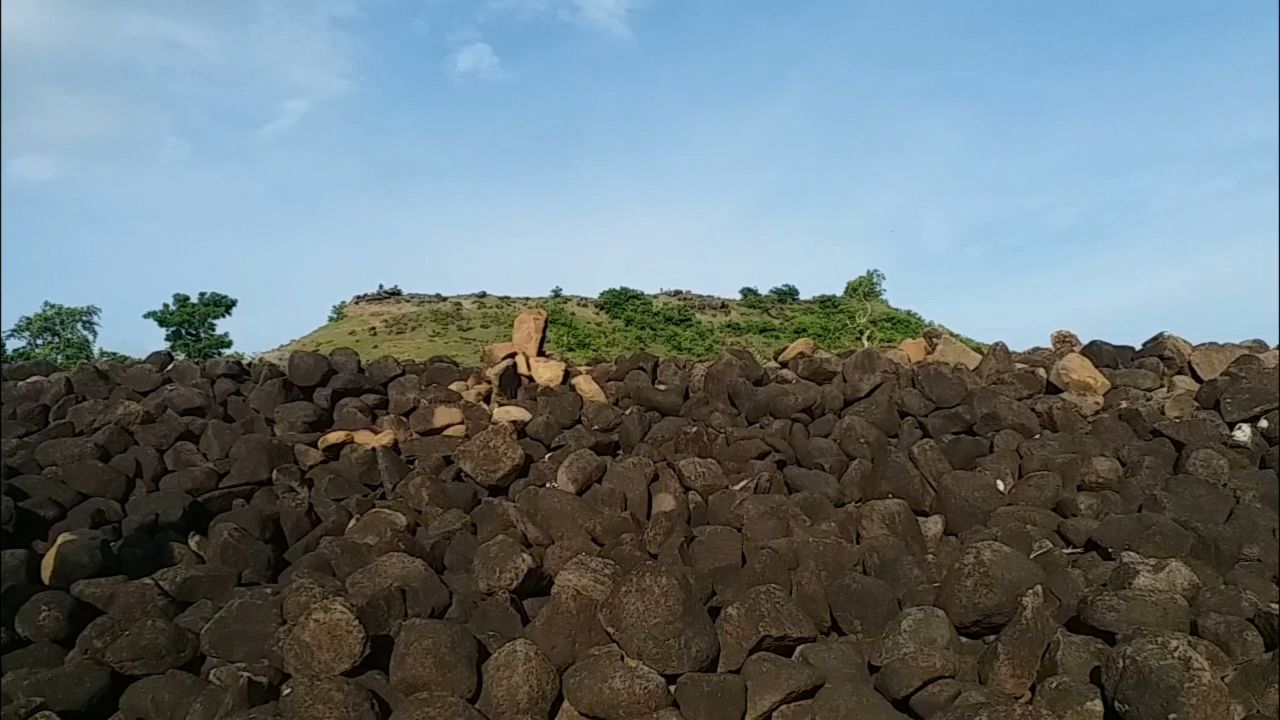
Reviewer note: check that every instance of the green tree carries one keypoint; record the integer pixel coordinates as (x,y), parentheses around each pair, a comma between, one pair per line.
(557,292)
(785,292)
(867,287)
(338,311)
(190,327)
(62,334)
(748,292)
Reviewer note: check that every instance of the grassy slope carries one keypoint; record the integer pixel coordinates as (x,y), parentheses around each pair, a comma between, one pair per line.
(419,327)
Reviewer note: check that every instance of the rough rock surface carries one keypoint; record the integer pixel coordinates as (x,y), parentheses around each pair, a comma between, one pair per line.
(1077,532)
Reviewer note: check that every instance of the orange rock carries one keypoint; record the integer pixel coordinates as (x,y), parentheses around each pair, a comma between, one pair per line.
(522,365)
(588,388)
(1074,373)
(950,350)
(546,371)
(798,349)
(512,414)
(916,349)
(528,330)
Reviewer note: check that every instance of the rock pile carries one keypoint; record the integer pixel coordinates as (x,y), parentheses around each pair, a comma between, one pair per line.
(1080,532)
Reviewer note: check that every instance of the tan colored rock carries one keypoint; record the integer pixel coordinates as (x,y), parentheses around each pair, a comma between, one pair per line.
(337,437)
(459,386)
(443,416)
(916,350)
(1183,385)
(1086,404)
(497,352)
(1270,358)
(1210,359)
(1065,340)
(476,394)
(50,559)
(511,414)
(798,349)
(1180,406)
(528,330)
(370,438)
(522,365)
(1076,374)
(588,388)
(457,431)
(952,351)
(546,371)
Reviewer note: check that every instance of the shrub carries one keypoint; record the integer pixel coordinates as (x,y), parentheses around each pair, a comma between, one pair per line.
(785,292)
(557,292)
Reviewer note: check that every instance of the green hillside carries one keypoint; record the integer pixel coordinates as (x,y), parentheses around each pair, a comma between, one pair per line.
(620,320)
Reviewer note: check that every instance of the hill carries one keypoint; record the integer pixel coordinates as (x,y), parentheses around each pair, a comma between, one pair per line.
(621,320)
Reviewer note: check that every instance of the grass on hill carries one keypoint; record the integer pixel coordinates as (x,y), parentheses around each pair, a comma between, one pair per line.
(621,320)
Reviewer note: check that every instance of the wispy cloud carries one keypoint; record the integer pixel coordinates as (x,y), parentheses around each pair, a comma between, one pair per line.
(476,60)
(80,93)
(608,16)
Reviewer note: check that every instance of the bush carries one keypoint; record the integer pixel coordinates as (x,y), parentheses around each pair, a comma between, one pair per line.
(785,293)
(621,303)
(557,292)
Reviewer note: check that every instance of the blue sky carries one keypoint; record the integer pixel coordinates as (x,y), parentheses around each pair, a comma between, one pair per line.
(1013,167)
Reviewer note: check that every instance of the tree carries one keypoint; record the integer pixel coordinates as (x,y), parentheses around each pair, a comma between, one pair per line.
(190,327)
(785,292)
(748,292)
(62,334)
(867,287)
(338,311)
(557,292)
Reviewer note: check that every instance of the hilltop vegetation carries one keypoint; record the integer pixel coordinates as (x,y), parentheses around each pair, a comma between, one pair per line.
(620,320)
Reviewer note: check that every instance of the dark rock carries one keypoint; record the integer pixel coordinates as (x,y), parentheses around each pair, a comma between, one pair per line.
(980,592)
(518,682)
(326,698)
(47,616)
(655,617)
(765,619)
(493,457)
(1158,676)
(606,685)
(711,696)
(435,656)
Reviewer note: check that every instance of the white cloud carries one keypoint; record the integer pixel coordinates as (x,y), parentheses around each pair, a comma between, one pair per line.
(118,82)
(476,60)
(32,168)
(608,16)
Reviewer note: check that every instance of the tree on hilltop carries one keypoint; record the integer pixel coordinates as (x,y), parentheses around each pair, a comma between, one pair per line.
(62,334)
(190,327)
